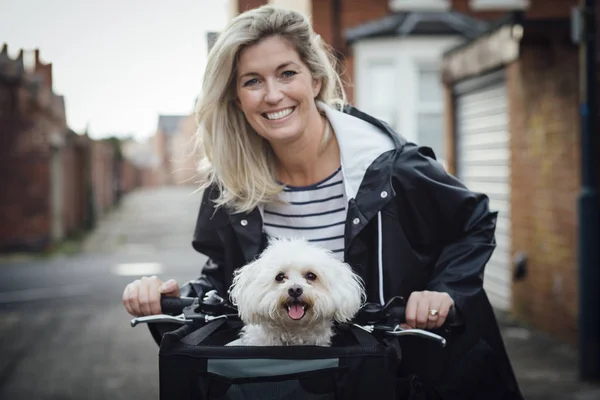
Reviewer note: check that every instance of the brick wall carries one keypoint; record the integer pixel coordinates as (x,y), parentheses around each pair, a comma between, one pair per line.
(551,8)
(76,176)
(25,160)
(244,5)
(102,176)
(543,92)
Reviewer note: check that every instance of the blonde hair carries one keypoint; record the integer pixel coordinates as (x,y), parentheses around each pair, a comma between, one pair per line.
(235,159)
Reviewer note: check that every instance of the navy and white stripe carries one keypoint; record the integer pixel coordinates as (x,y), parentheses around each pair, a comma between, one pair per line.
(316,213)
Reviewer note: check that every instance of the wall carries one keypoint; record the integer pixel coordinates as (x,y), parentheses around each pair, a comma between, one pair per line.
(102,164)
(543,90)
(304,6)
(25,121)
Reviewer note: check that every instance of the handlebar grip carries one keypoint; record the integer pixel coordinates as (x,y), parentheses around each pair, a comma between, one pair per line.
(174,305)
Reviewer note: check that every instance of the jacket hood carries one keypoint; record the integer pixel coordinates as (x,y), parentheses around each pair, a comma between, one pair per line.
(360,144)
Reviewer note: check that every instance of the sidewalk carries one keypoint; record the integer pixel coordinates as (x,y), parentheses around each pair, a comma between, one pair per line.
(545,367)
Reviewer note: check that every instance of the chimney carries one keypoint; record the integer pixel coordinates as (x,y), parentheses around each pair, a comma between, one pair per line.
(43,70)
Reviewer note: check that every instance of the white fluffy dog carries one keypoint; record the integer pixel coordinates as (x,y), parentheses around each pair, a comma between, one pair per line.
(292,294)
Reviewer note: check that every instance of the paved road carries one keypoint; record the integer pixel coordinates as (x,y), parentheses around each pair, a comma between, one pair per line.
(63,331)
(64,334)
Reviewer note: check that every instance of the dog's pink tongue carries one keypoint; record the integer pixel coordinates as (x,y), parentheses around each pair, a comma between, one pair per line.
(296,311)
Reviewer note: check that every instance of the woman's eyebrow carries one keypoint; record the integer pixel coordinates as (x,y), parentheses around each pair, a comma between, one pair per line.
(284,65)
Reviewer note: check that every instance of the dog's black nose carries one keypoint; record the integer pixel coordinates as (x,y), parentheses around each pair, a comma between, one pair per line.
(295,291)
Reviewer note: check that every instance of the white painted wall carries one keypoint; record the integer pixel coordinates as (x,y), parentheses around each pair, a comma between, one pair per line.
(233,8)
(405,55)
(304,6)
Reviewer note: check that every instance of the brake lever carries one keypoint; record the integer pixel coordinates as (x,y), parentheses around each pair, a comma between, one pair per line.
(398,331)
(179,319)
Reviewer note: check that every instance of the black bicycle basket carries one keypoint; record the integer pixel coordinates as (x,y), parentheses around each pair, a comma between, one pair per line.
(195,364)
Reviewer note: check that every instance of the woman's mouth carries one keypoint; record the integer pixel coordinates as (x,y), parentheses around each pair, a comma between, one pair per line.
(278,114)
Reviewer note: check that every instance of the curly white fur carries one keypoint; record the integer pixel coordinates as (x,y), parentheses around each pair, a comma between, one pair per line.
(331,291)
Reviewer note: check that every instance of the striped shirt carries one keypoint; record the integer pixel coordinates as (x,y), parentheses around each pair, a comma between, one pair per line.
(316,213)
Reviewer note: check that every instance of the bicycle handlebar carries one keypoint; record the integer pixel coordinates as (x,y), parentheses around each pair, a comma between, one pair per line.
(175,305)
(394,313)
(372,316)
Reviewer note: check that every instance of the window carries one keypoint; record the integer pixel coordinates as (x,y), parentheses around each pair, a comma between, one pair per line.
(417,5)
(382,101)
(430,110)
(499,4)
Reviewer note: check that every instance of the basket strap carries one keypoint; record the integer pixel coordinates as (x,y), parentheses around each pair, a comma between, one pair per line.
(363,337)
(198,336)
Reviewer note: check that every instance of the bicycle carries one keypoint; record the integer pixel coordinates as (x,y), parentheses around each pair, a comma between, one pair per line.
(363,361)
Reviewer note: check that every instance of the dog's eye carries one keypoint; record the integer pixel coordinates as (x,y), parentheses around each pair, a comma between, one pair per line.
(310,276)
(279,277)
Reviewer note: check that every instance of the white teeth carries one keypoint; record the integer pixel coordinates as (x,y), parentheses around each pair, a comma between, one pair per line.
(279,114)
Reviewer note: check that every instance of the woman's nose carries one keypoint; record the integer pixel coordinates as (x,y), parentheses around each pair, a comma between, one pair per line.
(273,92)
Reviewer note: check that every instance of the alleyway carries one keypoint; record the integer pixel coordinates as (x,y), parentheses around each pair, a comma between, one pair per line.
(63,331)
(65,335)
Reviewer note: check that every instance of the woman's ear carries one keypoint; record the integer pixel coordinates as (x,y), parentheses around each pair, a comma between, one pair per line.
(317,84)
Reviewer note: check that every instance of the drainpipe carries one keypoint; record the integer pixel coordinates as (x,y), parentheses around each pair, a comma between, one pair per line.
(589,270)
(336,26)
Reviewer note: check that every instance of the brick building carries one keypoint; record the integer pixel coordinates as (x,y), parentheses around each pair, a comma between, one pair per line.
(33,127)
(55,182)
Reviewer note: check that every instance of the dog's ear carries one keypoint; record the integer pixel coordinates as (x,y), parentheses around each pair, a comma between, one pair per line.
(242,293)
(350,294)
(242,278)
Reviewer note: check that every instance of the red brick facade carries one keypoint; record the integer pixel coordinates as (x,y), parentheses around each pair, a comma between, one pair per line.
(55,182)
(545,182)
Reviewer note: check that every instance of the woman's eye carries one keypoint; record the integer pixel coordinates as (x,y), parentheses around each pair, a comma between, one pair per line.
(288,74)
(310,276)
(279,277)
(251,82)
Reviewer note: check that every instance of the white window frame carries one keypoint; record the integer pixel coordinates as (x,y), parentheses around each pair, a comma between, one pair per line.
(416,5)
(484,5)
(432,106)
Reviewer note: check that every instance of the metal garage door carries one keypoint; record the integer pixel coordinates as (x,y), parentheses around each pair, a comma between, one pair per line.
(483,161)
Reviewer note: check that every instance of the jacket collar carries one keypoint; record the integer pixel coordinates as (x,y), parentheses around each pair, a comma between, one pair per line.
(361,142)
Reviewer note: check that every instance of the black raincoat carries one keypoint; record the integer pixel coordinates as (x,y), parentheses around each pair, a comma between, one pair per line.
(410,226)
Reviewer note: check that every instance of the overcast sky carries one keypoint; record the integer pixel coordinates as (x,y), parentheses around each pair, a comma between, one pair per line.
(119,63)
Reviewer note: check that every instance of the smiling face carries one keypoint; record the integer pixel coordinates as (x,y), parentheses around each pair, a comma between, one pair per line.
(276,91)
(297,290)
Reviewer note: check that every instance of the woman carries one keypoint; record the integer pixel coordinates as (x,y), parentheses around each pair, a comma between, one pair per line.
(284,155)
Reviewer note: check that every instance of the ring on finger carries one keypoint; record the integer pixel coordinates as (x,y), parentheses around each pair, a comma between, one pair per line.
(433,313)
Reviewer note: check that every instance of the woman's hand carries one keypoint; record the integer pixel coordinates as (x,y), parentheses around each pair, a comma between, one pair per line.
(142,296)
(427,310)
